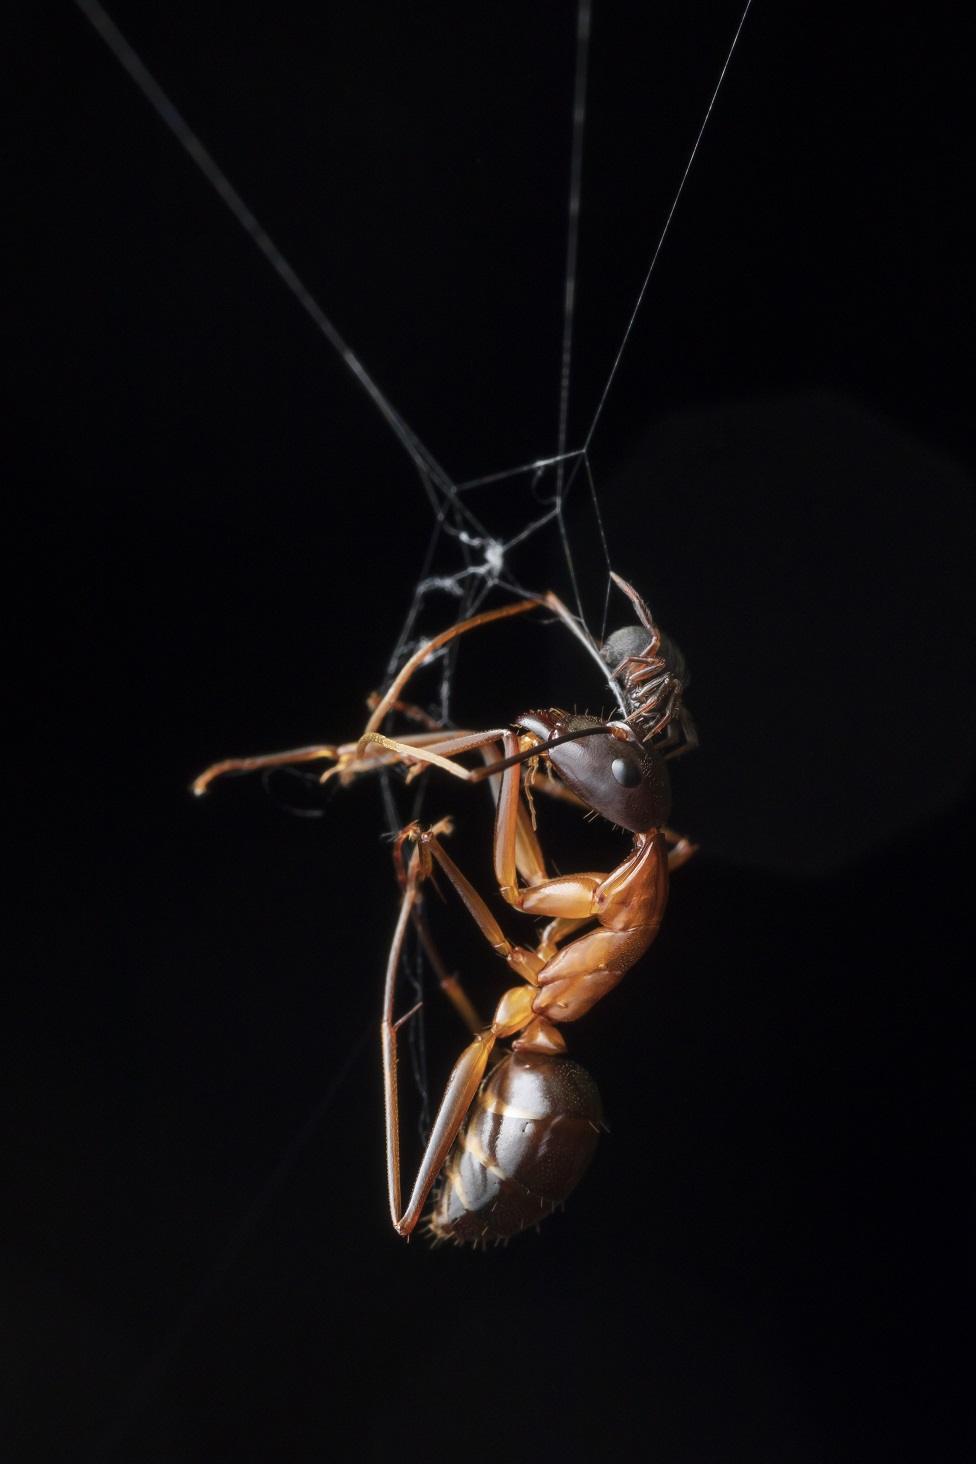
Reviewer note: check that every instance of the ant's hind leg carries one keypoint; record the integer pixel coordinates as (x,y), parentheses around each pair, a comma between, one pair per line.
(523,962)
(513,1014)
(448,981)
(462,1085)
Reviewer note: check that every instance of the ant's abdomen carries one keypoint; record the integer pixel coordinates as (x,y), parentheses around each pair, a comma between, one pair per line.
(527,1141)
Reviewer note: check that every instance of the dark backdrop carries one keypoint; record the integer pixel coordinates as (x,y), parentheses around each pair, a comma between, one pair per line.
(218,538)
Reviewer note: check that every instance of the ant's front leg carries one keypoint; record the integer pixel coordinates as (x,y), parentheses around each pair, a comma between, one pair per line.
(567,897)
(627,905)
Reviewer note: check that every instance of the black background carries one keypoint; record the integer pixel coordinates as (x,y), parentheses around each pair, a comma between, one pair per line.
(218,539)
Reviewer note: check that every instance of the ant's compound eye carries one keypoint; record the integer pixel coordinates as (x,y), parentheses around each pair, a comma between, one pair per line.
(626,772)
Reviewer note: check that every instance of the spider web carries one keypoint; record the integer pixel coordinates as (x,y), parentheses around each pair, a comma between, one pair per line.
(477,560)
(465,561)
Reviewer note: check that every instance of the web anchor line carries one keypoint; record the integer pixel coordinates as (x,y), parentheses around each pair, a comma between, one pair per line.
(583,28)
(664,232)
(452,515)
(581,457)
(477,547)
(434,478)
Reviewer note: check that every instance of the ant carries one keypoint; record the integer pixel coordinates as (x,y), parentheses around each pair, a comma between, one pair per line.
(511,1141)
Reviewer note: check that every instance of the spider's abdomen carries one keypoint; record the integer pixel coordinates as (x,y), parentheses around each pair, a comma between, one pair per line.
(526,1143)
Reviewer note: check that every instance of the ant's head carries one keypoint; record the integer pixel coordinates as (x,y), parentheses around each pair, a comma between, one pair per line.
(604,764)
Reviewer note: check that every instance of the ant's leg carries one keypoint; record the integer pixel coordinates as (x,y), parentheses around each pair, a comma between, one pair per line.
(427,750)
(681,851)
(570,896)
(448,982)
(539,1034)
(461,1086)
(352,758)
(531,864)
(579,974)
(528,852)
(523,961)
(392,694)
(436,754)
(348,764)
(351,762)
(254,764)
(531,868)
(555,933)
(513,1014)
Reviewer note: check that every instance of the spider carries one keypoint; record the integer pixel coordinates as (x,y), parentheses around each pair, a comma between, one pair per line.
(511,1140)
